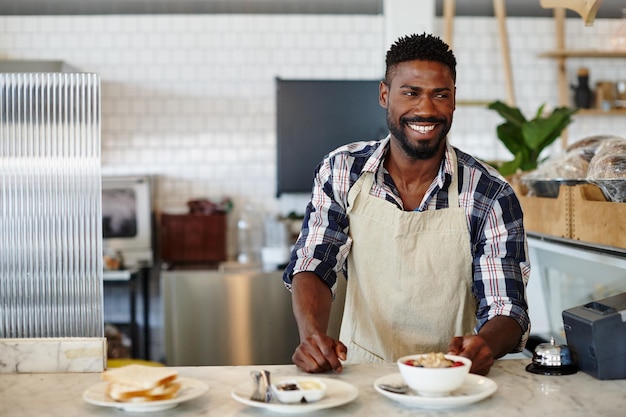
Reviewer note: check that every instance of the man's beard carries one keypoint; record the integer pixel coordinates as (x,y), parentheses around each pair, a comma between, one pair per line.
(423,150)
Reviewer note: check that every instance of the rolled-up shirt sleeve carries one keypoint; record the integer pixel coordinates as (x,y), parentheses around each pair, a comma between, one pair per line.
(501,265)
(323,244)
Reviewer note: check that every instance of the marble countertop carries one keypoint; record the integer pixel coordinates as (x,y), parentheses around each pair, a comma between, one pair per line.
(519,393)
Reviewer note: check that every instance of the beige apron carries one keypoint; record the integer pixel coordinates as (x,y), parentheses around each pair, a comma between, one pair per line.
(410,277)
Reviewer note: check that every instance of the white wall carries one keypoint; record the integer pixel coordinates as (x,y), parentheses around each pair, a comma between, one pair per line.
(404,17)
(190,99)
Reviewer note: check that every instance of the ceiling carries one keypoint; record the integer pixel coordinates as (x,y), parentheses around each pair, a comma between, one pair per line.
(609,9)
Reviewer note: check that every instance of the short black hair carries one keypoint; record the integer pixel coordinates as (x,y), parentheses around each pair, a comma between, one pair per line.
(422,47)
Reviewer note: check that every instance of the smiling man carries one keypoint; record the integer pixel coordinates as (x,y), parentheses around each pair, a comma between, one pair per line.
(431,240)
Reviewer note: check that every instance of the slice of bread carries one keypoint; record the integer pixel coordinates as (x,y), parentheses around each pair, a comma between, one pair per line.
(125,393)
(141,377)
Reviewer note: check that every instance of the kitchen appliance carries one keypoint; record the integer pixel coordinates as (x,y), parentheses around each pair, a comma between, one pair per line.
(127,219)
(596,334)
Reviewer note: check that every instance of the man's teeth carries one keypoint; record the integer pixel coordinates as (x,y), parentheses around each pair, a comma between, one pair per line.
(422,129)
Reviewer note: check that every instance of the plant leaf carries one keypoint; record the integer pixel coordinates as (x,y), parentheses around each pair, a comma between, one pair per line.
(540,133)
(510,114)
(511,137)
(539,113)
(511,167)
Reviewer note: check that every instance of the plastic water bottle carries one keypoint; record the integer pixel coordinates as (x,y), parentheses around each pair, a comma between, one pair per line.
(249,236)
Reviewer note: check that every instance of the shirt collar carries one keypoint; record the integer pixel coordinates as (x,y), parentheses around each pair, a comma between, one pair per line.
(378,156)
(374,162)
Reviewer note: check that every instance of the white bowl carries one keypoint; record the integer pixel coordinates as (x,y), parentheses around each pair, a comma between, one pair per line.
(434,382)
(294,390)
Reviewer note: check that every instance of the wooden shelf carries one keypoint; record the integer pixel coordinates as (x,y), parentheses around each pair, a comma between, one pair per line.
(583,53)
(479,103)
(561,54)
(600,112)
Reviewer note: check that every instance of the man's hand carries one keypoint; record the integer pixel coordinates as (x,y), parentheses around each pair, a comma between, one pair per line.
(319,353)
(496,338)
(476,349)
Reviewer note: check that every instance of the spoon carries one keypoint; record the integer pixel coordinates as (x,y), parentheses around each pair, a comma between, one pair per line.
(266,379)
(395,388)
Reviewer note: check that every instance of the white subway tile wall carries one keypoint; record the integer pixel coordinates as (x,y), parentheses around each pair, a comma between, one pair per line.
(190,98)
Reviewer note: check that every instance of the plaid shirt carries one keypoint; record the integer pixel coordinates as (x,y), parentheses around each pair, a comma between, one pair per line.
(494,218)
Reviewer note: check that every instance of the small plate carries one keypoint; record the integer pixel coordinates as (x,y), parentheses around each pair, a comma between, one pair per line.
(474,389)
(190,389)
(554,370)
(337,393)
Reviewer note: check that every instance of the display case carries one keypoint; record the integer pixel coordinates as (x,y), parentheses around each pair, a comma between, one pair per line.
(567,273)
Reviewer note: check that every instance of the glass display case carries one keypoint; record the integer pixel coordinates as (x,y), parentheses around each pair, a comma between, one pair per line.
(567,273)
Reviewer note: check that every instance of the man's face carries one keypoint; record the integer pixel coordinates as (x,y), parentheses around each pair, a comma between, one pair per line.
(420,101)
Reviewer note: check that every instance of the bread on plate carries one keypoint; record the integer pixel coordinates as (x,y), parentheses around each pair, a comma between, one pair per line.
(141,383)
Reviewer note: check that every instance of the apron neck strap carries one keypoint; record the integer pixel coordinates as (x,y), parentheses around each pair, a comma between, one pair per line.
(365,182)
(453,189)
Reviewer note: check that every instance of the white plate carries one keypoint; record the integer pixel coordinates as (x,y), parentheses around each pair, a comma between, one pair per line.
(337,393)
(191,388)
(474,389)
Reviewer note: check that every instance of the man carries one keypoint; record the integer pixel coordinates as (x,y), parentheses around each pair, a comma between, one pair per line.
(433,239)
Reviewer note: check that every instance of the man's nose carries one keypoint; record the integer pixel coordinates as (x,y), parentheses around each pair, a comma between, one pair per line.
(424,107)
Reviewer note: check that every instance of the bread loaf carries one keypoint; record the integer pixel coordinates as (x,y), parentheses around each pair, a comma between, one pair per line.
(588,147)
(608,167)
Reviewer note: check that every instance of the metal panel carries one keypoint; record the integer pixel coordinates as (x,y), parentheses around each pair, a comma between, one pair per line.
(50,206)
(231,318)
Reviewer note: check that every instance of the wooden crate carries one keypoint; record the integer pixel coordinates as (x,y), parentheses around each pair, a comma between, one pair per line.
(546,215)
(596,220)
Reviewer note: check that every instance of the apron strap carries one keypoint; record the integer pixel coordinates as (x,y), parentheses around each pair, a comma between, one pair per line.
(364,183)
(453,189)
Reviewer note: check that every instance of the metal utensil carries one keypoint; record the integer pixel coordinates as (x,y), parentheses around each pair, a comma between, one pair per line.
(257,394)
(266,380)
(395,388)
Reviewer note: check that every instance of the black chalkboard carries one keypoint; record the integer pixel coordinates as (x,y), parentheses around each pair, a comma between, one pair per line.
(316,116)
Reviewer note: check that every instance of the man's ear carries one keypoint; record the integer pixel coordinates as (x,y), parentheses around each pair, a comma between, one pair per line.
(383,94)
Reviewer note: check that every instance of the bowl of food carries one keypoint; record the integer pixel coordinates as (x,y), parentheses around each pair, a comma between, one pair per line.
(299,390)
(434,374)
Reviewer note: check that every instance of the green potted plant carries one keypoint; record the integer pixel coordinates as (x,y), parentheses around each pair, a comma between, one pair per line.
(526,139)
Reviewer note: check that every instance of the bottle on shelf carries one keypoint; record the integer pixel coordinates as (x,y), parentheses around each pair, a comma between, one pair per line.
(583,96)
(606,94)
